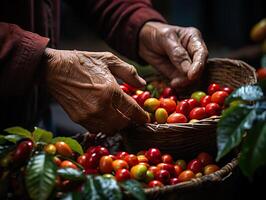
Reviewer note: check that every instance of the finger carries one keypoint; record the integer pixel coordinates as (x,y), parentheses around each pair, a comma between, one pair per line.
(177,53)
(199,53)
(179,83)
(119,68)
(199,60)
(178,80)
(166,68)
(126,72)
(129,107)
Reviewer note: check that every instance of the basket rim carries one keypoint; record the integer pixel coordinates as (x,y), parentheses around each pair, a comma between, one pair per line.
(228,61)
(206,122)
(215,177)
(233,62)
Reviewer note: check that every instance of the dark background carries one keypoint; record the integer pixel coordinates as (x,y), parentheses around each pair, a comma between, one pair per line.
(225,24)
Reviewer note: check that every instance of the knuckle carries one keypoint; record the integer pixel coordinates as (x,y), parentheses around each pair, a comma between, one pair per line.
(179,53)
(132,70)
(166,33)
(109,54)
(194,31)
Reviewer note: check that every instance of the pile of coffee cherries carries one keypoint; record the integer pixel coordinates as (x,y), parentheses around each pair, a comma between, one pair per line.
(163,106)
(151,167)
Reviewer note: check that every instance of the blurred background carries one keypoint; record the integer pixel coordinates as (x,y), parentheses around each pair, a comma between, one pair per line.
(225,26)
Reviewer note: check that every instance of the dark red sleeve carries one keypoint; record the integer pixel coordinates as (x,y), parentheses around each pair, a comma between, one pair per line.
(20,54)
(119,21)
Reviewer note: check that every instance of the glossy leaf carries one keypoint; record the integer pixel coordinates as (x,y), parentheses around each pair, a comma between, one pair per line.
(246,93)
(90,190)
(232,126)
(99,187)
(73,196)
(74,145)
(19,131)
(262,84)
(71,174)
(5,148)
(41,135)
(155,93)
(109,187)
(13,138)
(40,176)
(2,139)
(134,188)
(253,152)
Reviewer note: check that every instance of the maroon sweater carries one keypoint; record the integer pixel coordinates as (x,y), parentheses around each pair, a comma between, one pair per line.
(28,26)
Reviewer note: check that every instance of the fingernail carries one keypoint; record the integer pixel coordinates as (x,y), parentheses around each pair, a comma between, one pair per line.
(143,82)
(191,76)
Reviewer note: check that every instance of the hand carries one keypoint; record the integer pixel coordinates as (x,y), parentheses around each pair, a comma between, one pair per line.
(178,53)
(83,84)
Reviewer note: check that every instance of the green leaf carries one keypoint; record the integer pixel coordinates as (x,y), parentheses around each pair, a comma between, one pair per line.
(40,176)
(5,148)
(155,93)
(90,191)
(253,152)
(71,174)
(19,131)
(261,110)
(109,188)
(13,138)
(134,188)
(263,59)
(262,84)
(232,126)
(246,93)
(150,88)
(99,187)
(73,196)
(41,135)
(2,139)
(74,145)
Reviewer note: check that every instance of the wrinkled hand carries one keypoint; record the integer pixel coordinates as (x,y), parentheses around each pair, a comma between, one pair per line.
(179,53)
(84,85)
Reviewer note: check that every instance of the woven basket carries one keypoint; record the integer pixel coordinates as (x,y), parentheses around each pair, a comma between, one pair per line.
(218,185)
(222,184)
(185,140)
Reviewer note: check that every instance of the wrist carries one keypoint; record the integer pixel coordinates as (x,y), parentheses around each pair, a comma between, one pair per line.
(142,38)
(44,65)
(148,36)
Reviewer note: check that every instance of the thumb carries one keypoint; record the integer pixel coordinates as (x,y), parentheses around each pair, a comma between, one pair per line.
(199,60)
(129,107)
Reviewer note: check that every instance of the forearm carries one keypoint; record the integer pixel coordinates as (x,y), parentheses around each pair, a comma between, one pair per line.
(20,54)
(119,21)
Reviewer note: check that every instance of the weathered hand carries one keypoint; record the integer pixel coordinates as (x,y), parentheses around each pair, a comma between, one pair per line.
(179,53)
(84,85)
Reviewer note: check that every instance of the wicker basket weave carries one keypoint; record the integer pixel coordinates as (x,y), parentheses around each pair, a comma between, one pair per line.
(185,140)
